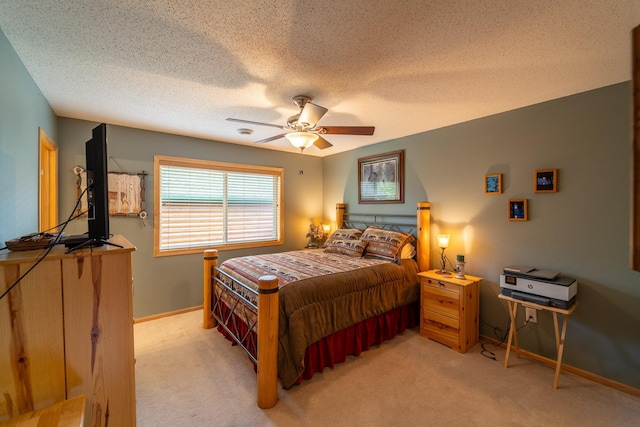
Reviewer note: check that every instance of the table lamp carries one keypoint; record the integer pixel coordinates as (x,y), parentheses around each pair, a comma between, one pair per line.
(443,243)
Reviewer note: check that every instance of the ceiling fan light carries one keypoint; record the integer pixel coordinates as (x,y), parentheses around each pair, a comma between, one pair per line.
(301,139)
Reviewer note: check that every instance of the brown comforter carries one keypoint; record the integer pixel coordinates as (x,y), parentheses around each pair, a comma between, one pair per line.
(313,306)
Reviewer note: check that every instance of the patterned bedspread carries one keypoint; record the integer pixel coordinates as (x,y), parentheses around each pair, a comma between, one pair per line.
(321,293)
(292,266)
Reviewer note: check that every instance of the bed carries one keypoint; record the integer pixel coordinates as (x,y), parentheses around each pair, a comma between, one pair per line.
(318,306)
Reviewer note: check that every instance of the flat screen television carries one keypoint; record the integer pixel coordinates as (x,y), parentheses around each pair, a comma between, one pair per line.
(97,185)
(97,193)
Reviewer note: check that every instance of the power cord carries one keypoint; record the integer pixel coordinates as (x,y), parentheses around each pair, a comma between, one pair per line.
(50,247)
(501,335)
(487,353)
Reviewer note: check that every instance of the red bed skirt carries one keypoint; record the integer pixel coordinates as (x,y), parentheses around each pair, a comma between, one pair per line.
(350,341)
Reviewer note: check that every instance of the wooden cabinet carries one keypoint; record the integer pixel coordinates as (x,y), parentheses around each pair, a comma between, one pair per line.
(449,309)
(66,330)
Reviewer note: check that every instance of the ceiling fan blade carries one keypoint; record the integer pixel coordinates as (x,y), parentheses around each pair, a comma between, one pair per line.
(346,130)
(322,143)
(273,138)
(311,114)
(254,123)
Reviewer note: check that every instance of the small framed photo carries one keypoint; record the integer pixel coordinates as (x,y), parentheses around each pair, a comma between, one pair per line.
(518,210)
(493,184)
(545,181)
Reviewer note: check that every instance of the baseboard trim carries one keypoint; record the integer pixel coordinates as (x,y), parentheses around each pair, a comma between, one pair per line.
(167,314)
(570,369)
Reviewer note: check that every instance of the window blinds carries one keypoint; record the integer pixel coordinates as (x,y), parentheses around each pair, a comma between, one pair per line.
(211,207)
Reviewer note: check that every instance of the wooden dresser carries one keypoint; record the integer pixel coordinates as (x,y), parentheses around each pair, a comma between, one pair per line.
(66,330)
(449,309)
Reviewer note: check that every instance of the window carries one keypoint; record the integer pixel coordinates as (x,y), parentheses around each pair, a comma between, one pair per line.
(204,204)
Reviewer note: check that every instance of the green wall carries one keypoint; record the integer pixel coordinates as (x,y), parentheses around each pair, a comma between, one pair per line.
(165,284)
(23,110)
(583,230)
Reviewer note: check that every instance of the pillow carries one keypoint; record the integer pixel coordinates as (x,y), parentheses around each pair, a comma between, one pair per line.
(343,234)
(385,244)
(408,251)
(349,247)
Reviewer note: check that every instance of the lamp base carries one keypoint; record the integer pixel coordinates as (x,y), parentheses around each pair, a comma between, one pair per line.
(444,273)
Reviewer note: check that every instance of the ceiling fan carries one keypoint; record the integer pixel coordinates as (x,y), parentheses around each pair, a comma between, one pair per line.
(303,130)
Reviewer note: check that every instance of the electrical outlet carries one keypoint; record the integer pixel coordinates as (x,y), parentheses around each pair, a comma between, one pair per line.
(531,315)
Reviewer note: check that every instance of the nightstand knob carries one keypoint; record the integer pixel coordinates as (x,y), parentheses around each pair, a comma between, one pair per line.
(442,285)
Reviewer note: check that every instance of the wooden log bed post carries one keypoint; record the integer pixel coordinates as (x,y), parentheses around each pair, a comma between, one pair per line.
(340,215)
(268,305)
(423,226)
(210,261)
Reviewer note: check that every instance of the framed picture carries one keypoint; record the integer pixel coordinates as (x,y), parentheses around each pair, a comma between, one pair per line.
(493,184)
(517,209)
(381,178)
(545,181)
(126,192)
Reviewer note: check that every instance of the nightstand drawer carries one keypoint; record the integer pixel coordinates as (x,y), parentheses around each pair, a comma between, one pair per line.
(439,284)
(442,333)
(433,316)
(441,300)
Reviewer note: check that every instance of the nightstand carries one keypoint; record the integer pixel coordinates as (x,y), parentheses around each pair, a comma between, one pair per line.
(449,309)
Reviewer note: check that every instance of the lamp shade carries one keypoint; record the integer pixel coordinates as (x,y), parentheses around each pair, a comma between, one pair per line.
(443,240)
(301,139)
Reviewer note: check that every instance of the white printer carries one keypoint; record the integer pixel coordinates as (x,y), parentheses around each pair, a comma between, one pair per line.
(542,287)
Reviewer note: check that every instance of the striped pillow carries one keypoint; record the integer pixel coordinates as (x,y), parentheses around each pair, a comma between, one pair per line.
(343,234)
(354,248)
(385,244)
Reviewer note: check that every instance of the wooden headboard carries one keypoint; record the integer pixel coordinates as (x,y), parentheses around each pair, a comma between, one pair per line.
(418,225)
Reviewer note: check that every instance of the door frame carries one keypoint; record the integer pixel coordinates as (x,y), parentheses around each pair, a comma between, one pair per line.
(47,182)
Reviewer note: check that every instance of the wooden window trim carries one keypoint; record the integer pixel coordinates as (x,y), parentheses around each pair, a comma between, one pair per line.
(160,160)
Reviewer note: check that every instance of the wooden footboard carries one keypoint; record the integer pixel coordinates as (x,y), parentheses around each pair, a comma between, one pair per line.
(267,357)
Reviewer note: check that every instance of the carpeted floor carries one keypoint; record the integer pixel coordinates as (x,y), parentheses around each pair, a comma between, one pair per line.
(189,376)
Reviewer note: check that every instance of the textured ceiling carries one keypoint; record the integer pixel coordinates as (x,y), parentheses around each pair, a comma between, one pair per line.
(184,66)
